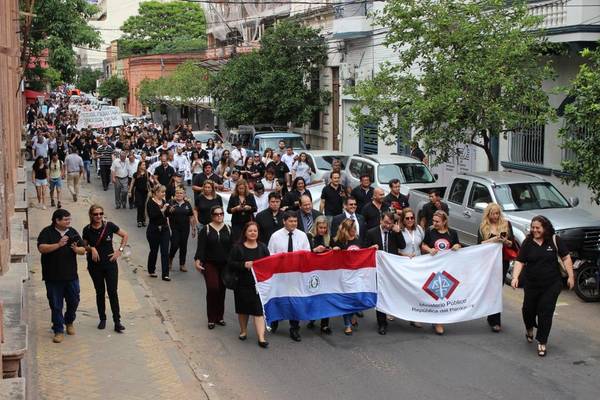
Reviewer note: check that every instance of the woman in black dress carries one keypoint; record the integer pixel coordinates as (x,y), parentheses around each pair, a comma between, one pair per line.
(291,201)
(346,238)
(158,233)
(182,220)
(247,301)
(139,187)
(538,260)
(319,240)
(439,237)
(206,201)
(214,246)
(242,207)
(102,262)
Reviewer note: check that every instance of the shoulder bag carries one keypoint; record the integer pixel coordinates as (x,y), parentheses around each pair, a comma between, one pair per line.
(561,265)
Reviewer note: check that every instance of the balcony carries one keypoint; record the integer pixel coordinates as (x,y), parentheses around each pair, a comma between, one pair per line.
(351,21)
(569,20)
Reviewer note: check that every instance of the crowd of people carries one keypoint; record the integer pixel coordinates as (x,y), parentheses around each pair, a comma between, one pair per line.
(271,210)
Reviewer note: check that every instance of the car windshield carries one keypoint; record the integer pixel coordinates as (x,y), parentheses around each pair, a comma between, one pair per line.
(529,196)
(273,143)
(324,162)
(407,173)
(203,137)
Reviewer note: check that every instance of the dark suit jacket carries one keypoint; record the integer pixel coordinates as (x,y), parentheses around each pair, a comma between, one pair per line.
(395,240)
(267,225)
(338,219)
(301,226)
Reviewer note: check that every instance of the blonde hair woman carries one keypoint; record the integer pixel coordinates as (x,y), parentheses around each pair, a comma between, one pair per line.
(494,228)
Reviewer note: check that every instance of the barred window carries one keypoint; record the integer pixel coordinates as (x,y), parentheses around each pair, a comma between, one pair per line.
(527,146)
(579,133)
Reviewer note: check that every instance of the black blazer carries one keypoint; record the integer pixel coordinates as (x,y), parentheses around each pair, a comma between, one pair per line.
(301,226)
(338,219)
(395,240)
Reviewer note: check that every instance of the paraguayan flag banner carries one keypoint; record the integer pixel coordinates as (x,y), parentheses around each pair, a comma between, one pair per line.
(451,286)
(302,285)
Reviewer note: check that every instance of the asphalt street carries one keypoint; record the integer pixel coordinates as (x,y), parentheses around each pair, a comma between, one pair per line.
(468,362)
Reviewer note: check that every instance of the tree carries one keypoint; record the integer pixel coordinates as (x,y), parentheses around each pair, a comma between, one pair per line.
(56,26)
(114,88)
(277,83)
(86,79)
(480,71)
(164,27)
(581,132)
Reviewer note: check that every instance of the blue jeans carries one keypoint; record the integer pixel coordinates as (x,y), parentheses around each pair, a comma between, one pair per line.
(86,167)
(58,292)
(348,320)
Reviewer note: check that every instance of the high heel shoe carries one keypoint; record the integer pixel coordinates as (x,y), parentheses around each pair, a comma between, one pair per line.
(541,348)
(264,344)
(529,337)
(243,337)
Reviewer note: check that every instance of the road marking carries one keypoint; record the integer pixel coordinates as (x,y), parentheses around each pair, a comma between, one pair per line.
(561,304)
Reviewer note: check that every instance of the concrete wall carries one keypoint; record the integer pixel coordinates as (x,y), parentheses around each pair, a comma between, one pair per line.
(11,117)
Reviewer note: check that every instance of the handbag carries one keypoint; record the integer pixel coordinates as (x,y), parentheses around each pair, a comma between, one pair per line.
(561,265)
(509,253)
(229,276)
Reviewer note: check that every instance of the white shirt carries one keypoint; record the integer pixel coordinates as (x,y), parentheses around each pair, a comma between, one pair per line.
(119,168)
(355,218)
(41,149)
(288,159)
(73,163)
(238,156)
(132,167)
(279,241)
(262,202)
(180,162)
(269,185)
(413,240)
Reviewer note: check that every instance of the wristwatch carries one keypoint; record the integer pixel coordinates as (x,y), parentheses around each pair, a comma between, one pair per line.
(121,249)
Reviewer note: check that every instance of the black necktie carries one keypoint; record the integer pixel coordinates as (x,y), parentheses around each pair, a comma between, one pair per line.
(290,242)
(385,241)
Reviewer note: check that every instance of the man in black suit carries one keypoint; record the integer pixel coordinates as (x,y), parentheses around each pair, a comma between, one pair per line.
(387,237)
(349,212)
(306,214)
(270,219)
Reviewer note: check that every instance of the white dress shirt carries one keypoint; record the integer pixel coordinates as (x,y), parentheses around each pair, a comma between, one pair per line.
(355,219)
(289,159)
(262,202)
(238,156)
(132,167)
(279,241)
(119,168)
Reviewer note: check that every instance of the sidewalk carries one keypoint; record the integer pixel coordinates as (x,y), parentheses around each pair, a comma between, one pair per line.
(142,363)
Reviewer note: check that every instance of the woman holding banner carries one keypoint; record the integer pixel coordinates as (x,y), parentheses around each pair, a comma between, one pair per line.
(413,237)
(439,237)
(319,240)
(495,228)
(540,259)
(247,301)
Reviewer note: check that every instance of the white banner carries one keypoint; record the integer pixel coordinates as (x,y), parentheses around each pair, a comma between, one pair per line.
(104,118)
(451,286)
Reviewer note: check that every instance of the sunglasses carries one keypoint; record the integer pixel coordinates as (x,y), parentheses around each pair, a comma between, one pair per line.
(98,214)
(217,214)
(409,217)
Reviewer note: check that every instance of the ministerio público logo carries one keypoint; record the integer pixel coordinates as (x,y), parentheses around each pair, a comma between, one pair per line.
(440,285)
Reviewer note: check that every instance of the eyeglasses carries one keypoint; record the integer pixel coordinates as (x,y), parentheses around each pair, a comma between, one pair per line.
(98,214)
(218,214)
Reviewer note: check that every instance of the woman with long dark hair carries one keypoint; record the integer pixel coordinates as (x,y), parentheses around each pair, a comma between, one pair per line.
(320,240)
(214,246)
(538,262)
(247,301)
(291,201)
(158,233)
(102,262)
(39,177)
(140,186)
(241,206)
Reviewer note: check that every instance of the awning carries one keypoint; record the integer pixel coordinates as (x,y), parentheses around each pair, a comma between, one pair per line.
(31,96)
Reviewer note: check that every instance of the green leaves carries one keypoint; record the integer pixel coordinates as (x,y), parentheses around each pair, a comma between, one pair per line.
(480,73)
(276,84)
(168,27)
(114,88)
(581,131)
(86,79)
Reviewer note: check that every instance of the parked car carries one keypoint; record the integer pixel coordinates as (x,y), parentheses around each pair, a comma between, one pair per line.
(203,136)
(320,161)
(244,134)
(383,168)
(262,141)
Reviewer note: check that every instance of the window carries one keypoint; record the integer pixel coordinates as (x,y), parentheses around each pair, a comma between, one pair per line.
(458,191)
(357,168)
(479,194)
(529,196)
(576,133)
(407,173)
(527,146)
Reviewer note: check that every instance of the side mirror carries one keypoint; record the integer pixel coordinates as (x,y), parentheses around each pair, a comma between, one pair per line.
(480,206)
(436,176)
(308,146)
(574,201)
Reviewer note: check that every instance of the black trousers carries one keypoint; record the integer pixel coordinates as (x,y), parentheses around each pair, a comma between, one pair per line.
(131,198)
(105,278)
(158,239)
(496,319)
(381,318)
(105,175)
(179,241)
(539,303)
(140,204)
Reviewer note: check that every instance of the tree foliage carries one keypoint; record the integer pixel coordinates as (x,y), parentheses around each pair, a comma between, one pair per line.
(114,88)
(186,85)
(480,72)
(86,79)
(581,132)
(58,26)
(276,83)
(172,26)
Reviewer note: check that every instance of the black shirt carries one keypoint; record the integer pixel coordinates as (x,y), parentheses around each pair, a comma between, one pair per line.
(213,246)
(140,184)
(199,179)
(203,205)
(61,264)
(317,241)
(105,247)
(86,152)
(155,216)
(164,174)
(428,210)
(334,199)
(40,172)
(179,214)
(541,263)
(239,255)
(396,203)
(292,199)
(240,218)
(280,169)
(372,214)
(440,241)
(268,224)
(362,196)
(353,244)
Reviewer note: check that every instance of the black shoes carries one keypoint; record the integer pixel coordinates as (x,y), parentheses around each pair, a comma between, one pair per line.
(102,324)
(153,275)
(310,325)
(243,337)
(264,344)
(274,326)
(211,325)
(295,335)
(326,330)
(221,323)
(119,328)
(166,278)
(382,330)
(139,224)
